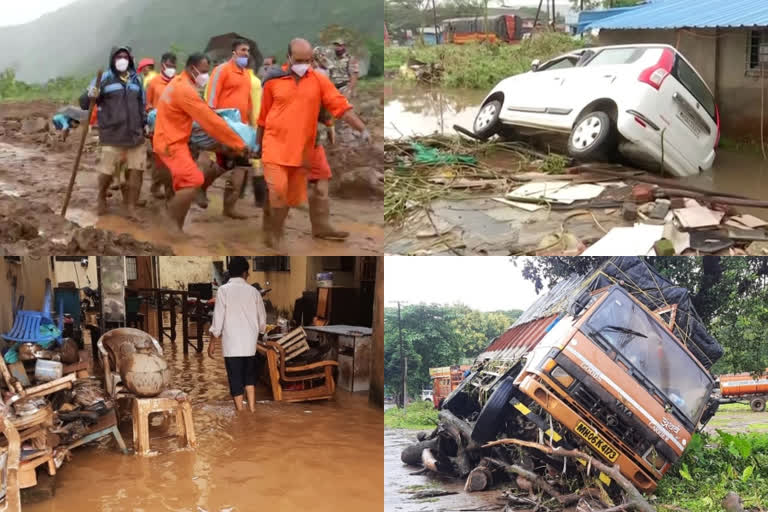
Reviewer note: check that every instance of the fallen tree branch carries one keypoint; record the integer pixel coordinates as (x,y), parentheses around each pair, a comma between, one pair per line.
(636,500)
(529,475)
(463,427)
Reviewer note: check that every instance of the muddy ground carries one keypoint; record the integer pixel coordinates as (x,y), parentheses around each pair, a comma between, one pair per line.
(400,484)
(35,166)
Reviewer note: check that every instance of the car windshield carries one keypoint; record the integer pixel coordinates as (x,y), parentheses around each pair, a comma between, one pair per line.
(642,342)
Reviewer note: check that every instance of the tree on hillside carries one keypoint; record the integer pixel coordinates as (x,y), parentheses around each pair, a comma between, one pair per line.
(730,295)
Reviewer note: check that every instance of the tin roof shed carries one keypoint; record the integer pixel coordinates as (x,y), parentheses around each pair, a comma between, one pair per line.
(672,14)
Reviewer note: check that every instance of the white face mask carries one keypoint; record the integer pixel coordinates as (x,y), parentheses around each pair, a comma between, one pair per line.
(169,72)
(300,69)
(201,79)
(121,65)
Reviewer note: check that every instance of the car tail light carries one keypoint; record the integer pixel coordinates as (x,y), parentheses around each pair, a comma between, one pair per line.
(717,120)
(655,75)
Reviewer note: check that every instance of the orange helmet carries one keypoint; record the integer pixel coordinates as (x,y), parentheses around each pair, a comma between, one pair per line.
(144,63)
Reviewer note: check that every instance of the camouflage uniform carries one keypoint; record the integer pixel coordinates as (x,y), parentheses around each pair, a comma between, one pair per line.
(340,71)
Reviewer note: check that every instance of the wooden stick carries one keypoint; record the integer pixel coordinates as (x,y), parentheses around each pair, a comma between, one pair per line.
(67,197)
(734,201)
(529,475)
(647,179)
(636,499)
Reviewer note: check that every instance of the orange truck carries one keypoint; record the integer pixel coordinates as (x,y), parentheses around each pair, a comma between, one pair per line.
(503,28)
(743,388)
(445,379)
(615,364)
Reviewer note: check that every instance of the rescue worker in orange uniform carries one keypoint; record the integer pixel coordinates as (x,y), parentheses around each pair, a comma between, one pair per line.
(290,107)
(230,87)
(160,175)
(180,105)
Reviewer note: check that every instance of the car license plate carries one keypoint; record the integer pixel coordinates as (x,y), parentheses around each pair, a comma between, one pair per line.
(597,442)
(689,121)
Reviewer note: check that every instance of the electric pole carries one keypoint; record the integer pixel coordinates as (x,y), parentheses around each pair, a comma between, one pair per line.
(403,362)
(434,16)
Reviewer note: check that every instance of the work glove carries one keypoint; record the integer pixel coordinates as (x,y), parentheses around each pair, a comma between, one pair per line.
(93,92)
(366,136)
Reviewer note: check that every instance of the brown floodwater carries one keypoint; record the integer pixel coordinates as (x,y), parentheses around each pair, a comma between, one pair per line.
(318,456)
(420,110)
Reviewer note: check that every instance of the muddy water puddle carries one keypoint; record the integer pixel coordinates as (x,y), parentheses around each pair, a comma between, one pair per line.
(320,456)
(400,484)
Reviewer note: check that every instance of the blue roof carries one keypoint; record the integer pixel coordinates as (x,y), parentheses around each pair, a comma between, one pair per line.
(670,14)
(587,18)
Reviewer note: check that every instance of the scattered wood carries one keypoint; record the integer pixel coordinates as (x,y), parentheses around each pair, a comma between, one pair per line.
(666,182)
(430,493)
(681,191)
(479,479)
(635,498)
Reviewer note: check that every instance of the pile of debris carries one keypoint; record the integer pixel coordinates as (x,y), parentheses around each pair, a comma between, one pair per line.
(507,198)
(53,402)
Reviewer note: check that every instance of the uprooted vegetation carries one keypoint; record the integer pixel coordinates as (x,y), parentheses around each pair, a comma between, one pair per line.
(475,66)
(426,168)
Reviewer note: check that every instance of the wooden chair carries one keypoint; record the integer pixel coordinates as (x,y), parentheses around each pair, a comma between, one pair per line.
(294,343)
(297,383)
(13,451)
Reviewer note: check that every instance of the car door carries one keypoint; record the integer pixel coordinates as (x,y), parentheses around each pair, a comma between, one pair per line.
(543,93)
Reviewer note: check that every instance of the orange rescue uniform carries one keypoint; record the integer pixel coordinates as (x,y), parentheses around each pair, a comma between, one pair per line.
(155,90)
(288,118)
(230,87)
(178,106)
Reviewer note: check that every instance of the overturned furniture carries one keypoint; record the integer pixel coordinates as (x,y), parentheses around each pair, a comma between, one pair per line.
(134,368)
(604,378)
(11,453)
(296,383)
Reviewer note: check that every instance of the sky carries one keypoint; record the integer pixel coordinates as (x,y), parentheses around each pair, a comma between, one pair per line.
(17,12)
(486,283)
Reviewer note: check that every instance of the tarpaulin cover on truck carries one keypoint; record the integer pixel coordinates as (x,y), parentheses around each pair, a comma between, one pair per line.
(644,283)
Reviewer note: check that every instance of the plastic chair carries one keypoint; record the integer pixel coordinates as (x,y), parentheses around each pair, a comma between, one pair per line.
(26,325)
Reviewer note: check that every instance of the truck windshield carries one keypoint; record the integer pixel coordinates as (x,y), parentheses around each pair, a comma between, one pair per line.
(642,341)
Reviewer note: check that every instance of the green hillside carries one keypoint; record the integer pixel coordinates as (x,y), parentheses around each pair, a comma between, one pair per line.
(76,39)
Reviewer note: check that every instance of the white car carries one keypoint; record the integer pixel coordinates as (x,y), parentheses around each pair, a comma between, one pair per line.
(645,101)
(426,395)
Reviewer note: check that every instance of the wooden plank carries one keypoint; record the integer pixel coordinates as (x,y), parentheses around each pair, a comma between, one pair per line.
(49,387)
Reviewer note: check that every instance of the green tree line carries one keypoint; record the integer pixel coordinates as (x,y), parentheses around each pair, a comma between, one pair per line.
(436,335)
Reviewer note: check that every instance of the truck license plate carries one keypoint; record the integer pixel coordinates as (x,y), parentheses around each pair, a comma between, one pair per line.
(597,442)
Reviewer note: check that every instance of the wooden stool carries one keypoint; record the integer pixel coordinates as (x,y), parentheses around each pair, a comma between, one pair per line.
(143,407)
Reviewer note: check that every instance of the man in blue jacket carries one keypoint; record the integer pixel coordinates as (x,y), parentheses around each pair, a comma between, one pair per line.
(122,120)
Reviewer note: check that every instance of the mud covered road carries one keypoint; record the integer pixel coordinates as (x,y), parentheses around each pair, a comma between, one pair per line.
(35,166)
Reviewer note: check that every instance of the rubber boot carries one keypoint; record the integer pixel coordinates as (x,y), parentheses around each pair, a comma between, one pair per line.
(273,236)
(101,201)
(320,212)
(232,193)
(139,183)
(130,192)
(259,191)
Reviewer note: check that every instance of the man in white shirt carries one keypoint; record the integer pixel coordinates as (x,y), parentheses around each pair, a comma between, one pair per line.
(238,319)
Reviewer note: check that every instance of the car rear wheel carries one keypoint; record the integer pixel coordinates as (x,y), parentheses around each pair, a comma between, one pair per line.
(490,418)
(487,122)
(757,404)
(592,137)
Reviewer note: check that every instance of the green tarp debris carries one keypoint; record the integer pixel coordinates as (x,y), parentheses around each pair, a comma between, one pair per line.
(433,156)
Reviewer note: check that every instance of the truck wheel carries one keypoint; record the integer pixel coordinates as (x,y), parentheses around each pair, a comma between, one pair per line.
(757,404)
(490,418)
(487,123)
(592,137)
